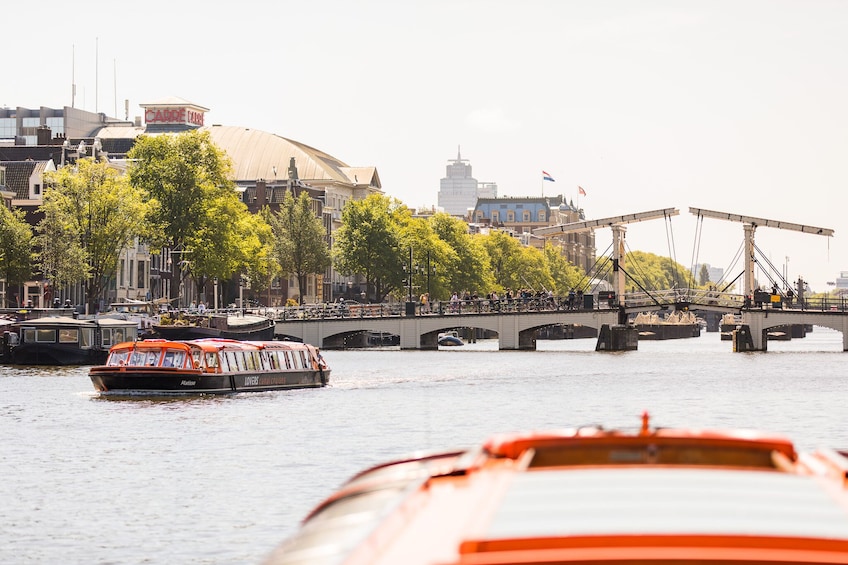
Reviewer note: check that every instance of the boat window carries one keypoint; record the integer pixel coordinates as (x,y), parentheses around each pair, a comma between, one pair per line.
(86,337)
(32,335)
(68,335)
(168,359)
(137,358)
(242,360)
(304,362)
(152,358)
(251,359)
(211,360)
(271,360)
(179,358)
(106,337)
(286,359)
(118,358)
(118,335)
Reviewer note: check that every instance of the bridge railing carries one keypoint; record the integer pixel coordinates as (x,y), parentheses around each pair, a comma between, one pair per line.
(693,296)
(350,309)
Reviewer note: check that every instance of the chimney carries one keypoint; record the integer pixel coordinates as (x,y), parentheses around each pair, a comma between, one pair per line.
(42,135)
(261,193)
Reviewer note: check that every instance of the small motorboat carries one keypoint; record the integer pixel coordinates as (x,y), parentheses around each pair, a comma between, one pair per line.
(588,495)
(450,339)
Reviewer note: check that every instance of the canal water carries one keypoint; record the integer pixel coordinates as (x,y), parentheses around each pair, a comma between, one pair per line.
(88,480)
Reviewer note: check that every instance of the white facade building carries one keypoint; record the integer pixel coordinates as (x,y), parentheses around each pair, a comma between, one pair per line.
(459,190)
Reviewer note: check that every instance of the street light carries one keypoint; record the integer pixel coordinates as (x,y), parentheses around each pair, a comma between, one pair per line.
(241,293)
(430,271)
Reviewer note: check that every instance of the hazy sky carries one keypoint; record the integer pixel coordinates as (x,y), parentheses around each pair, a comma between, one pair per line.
(734,106)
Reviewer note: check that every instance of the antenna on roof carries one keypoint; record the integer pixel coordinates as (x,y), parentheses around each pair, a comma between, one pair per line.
(73,84)
(96,72)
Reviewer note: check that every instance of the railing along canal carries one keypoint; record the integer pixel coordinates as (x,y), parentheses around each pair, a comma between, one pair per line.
(693,298)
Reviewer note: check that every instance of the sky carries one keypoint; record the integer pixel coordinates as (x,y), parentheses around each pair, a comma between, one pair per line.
(732,106)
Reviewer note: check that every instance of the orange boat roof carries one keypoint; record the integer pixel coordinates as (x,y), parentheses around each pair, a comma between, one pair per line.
(588,496)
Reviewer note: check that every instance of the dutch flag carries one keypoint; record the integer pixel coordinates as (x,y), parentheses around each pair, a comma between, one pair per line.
(547,176)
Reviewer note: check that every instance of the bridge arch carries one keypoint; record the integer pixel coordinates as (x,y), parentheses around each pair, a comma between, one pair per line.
(515,331)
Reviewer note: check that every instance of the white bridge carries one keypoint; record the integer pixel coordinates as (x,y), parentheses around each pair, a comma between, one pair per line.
(516,330)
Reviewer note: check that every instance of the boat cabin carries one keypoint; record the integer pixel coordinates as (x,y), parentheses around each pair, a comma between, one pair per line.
(216,355)
(85,334)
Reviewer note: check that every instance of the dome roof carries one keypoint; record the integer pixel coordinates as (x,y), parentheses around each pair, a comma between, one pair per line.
(256,154)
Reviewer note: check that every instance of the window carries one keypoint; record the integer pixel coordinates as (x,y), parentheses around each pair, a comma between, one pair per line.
(141,273)
(36,189)
(117,358)
(130,277)
(137,358)
(525,216)
(541,215)
(68,335)
(510,216)
(32,335)
(211,360)
(495,216)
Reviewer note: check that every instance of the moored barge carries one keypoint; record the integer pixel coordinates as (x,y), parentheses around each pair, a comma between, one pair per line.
(210,366)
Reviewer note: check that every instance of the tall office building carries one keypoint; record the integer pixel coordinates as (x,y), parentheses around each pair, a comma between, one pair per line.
(458,191)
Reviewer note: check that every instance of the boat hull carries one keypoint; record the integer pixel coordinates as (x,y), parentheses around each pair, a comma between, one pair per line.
(667,331)
(55,354)
(162,381)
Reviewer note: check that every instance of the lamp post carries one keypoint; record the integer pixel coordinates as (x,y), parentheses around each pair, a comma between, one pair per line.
(409,275)
(430,271)
(410,305)
(215,305)
(241,294)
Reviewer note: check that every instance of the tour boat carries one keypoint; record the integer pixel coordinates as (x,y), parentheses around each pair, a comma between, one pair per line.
(588,495)
(215,366)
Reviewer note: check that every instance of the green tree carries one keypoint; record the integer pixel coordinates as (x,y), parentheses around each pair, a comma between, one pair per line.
(300,246)
(91,212)
(369,243)
(653,272)
(465,264)
(506,258)
(195,207)
(704,275)
(16,241)
(565,274)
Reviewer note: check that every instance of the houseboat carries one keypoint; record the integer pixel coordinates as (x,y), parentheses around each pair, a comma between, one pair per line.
(677,325)
(62,340)
(588,495)
(212,365)
(183,326)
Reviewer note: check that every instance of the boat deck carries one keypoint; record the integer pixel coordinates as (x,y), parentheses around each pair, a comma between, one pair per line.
(588,496)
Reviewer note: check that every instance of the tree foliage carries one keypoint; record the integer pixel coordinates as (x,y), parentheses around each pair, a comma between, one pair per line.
(565,275)
(369,243)
(16,240)
(653,272)
(91,212)
(704,276)
(196,209)
(300,246)
(465,263)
